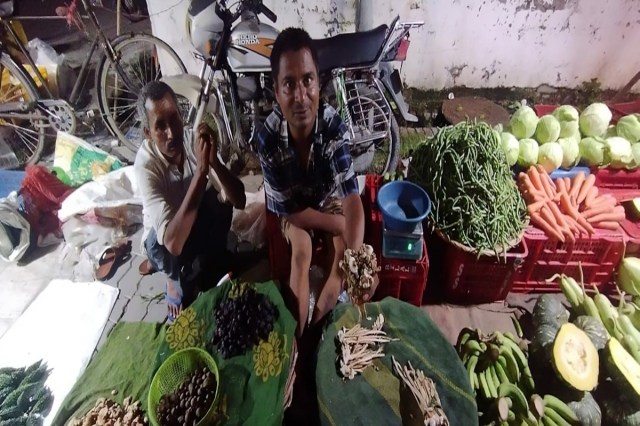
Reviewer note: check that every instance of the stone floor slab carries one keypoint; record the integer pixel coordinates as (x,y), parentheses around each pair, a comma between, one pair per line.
(119,307)
(156,312)
(136,309)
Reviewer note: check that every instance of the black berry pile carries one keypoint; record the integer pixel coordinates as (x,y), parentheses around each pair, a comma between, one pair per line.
(242,322)
(190,402)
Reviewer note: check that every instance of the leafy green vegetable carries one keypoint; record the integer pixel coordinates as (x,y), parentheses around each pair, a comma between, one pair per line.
(595,119)
(475,198)
(592,151)
(566,113)
(618,151)
(550,156)
(569,129)
(510,146)
(523,122)
(528,152)
(628,127)
(547,130)
(570,152)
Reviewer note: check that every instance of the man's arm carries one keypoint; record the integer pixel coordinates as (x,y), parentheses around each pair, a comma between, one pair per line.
(232,186)
(347,184)
(179,227)
(354,221)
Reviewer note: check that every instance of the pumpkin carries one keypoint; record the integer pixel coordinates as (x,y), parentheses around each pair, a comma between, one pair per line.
(594,328)
(587,410)
(575,358)
(620,413)
(549,310)
(623,369)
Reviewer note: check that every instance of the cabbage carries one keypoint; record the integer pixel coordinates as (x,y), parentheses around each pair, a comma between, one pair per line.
(523,122)
(619,152)
(628,127)
(592,151)
(595,119)
(570,152)
(635,152)
(611,131)
(528,153)
(510,146)
(548,129)
(566,113)
(569,129)
(550,156)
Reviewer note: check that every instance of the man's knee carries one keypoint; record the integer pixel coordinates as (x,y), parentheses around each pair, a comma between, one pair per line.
(301,247)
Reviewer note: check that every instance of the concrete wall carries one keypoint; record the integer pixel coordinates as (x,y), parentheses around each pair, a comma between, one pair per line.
(475,43)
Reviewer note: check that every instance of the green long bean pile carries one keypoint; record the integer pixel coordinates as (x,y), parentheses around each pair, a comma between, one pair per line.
(475,198)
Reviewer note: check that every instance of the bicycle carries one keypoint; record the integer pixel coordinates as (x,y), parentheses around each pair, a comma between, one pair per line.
(28,108)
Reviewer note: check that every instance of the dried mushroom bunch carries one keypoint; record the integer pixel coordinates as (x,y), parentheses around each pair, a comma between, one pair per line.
(108,412)
(359,268)
(425,393)
(358,347)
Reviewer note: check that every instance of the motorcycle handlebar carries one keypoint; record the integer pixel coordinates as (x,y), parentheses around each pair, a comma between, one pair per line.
(268,12)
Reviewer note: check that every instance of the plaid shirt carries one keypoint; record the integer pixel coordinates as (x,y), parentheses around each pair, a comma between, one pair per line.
(329,170)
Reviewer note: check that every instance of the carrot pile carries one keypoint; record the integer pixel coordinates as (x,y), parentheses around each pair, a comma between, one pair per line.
(567,207)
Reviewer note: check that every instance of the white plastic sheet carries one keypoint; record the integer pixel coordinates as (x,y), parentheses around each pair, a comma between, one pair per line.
(115,189)
(62,327)
(249,224)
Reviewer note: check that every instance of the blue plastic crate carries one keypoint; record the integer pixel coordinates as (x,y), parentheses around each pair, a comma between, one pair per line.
(10,180)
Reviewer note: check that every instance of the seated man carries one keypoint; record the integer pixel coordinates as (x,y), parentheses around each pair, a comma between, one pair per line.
(308,173)
(184,219)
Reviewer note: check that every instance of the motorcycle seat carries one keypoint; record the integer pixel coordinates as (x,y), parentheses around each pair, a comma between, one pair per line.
(351,49)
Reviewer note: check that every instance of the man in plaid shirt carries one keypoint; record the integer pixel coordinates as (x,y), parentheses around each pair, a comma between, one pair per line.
(308,173)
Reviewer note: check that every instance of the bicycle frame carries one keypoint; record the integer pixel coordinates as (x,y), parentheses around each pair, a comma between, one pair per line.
(99,38)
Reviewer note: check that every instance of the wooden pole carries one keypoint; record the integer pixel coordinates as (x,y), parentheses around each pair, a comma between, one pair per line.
(618,96)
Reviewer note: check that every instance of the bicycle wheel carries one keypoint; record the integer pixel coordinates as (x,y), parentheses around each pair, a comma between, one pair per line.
(139,59)
(22,134)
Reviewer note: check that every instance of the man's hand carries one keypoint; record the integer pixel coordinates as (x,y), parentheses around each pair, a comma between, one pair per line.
(206,144)
(376,280)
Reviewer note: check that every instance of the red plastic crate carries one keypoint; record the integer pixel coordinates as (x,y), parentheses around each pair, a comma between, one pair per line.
(403,279)
(617,179)
(598,255)
(470,279)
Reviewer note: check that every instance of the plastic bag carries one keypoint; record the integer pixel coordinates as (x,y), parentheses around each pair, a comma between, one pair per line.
(15,231)
(249,224)
(76,162)
(43,54)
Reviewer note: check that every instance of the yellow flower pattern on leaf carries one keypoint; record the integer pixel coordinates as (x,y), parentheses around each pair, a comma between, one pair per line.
(268,356)
(186,331)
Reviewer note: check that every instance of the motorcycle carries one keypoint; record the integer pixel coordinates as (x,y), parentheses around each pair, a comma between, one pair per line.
(235,89)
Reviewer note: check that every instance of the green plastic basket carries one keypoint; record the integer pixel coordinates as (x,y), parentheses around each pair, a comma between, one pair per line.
(173,372)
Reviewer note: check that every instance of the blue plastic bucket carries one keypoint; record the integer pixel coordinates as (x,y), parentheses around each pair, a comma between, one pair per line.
(403,205)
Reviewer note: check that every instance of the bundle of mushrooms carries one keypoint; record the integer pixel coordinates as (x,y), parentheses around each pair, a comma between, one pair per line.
(358,347)
(359,268)
(424,391)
